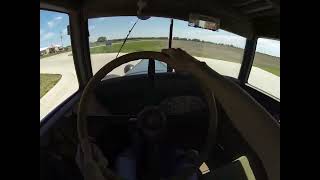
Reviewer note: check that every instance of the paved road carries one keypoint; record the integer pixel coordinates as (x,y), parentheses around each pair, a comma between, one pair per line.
(63,64)
(68,84)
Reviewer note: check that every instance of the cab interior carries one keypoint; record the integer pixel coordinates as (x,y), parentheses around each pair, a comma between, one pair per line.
(118,100)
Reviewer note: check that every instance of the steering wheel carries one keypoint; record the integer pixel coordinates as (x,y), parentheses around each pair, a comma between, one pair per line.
(92,169)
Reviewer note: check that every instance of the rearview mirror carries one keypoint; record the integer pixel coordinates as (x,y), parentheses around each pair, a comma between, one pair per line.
(143,17)
(204,22)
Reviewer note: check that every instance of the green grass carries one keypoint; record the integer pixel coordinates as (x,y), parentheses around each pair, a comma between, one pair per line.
(131,46)
(47,81)
(201,49)
(93,44)
(273,70)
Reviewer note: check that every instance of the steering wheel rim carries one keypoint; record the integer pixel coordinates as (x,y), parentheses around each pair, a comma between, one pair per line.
(93,82)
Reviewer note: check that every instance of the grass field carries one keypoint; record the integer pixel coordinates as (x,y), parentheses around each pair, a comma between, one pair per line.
(131,46)
(201,49)
(47,81)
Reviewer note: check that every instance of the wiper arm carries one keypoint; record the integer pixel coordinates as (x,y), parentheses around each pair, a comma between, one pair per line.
(127,37)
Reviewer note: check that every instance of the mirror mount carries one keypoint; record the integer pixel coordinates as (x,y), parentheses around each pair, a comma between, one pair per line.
(204,22)
(141,5)
(127,68)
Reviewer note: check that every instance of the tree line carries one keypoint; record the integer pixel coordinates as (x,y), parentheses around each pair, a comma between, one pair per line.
(103,39)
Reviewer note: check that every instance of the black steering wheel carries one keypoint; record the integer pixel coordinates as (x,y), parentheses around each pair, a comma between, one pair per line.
(151,120)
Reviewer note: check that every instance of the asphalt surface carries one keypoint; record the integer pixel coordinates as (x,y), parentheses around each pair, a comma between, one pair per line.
(68,84)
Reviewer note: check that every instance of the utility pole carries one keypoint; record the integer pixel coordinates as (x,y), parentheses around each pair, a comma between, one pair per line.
(61,39)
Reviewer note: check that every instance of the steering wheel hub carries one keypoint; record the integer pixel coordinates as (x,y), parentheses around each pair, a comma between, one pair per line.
(152,122)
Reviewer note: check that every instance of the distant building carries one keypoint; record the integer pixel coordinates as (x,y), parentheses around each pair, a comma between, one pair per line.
(56,48)
(44,51)
(51,49)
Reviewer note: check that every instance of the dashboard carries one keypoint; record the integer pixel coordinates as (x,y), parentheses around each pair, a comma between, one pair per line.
(176,93)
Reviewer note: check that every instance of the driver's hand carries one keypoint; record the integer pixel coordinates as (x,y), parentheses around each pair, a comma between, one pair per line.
(183,61)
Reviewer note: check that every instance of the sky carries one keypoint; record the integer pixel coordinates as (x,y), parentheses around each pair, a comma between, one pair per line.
(53,26)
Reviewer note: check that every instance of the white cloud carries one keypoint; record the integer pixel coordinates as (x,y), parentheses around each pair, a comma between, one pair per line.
(65,31)
(268,46)
(234,40)
(47,36)
(51,24)
(54,21)
(91,27)
(41,32)
(132,22)
(58,18)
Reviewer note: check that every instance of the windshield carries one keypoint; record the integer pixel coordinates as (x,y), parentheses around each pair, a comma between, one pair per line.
(221,50)
(107,35)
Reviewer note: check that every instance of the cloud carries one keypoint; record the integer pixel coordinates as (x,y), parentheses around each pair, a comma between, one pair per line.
(41,32)
(58,18)
(47,36)
(91,27)
(268,46)
(51,24)
(65,31)
(54,21)
(132,22)
(234,40)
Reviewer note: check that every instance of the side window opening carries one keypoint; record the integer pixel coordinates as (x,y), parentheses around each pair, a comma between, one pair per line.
(265,72)
(58,79)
